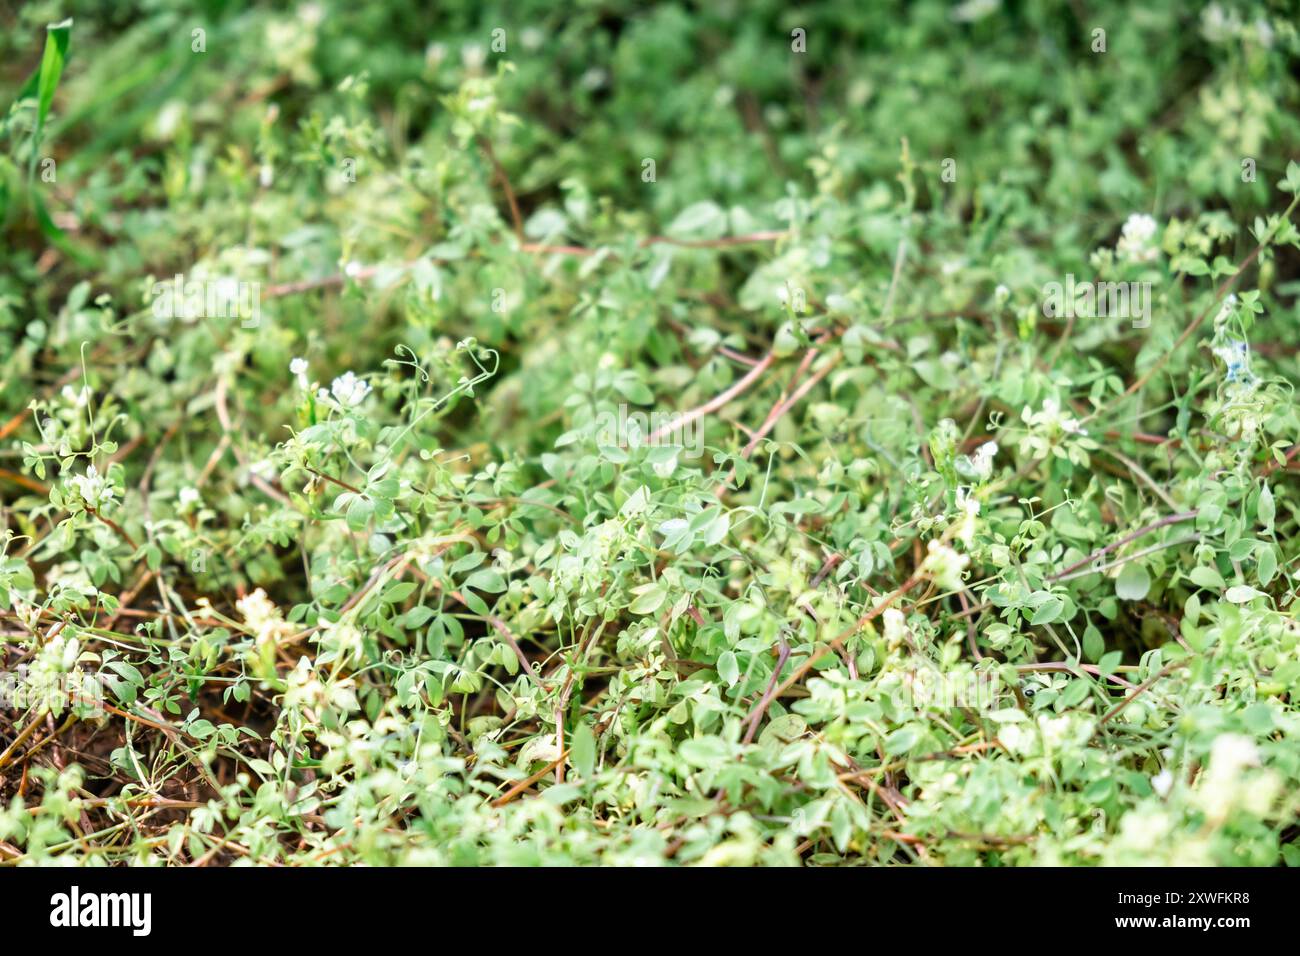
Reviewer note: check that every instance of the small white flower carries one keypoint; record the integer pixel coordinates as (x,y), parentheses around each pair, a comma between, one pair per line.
(92,487)
(969,509)
(1051,418)
(78,397)
(352,270)
(895,626)
(982,460)
(944,566)
(473,56)
(1001,294)
(1135,243)
(298,368)
(187,497)
(1162,782)
(1232,753)
(263,617)
(348,390)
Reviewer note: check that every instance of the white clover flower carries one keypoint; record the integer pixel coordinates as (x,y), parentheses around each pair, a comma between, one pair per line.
(298,369)
(1135,243)
(343,639)
(1144,828)
(969,509)
(1225,787)
(944,566)
(982,460)
(895,626)
(1054,729)
(1162,783)
(1018,738)
(348,390)
(1218,25)
(1051,418)
(78,397)
(263,617)
(92,487)
(473,56)
(1232,753)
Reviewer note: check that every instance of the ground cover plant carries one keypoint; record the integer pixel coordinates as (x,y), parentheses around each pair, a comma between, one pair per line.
(837,434)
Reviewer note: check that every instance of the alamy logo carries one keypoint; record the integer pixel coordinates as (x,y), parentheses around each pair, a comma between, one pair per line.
(1091,300)
(633,429)
(224,298)
(76,909)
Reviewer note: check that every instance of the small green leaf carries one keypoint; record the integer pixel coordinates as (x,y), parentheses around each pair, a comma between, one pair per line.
(582,750)
(728,668)
(1206,577)
(1266,510)
(648,601)
(1133,582)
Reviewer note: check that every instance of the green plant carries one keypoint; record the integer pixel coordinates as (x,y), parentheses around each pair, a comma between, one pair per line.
(332,533)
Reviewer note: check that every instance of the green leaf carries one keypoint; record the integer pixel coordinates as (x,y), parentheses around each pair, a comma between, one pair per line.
(728,668)
(1266,510)
(649,601)
(1093,643)
(902,740)
(1266,563)
(1133,582)
(1206,577)
(1048,611)
(582,749)
(705,752)
(45,80)
(488,579)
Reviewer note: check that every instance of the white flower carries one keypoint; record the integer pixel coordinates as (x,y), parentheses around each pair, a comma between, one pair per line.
(944,565)
(352,270)
(969,509)
(92,487)
(187,497)
(298,368)
(1017,738)
(1225,786)
(895,626)
(1135,243)
(1001,294)
(1051,418)
(348,390)
(473,56)
(263,617)
(982,460)
(78,397)
(1162,782)
(1232,753)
